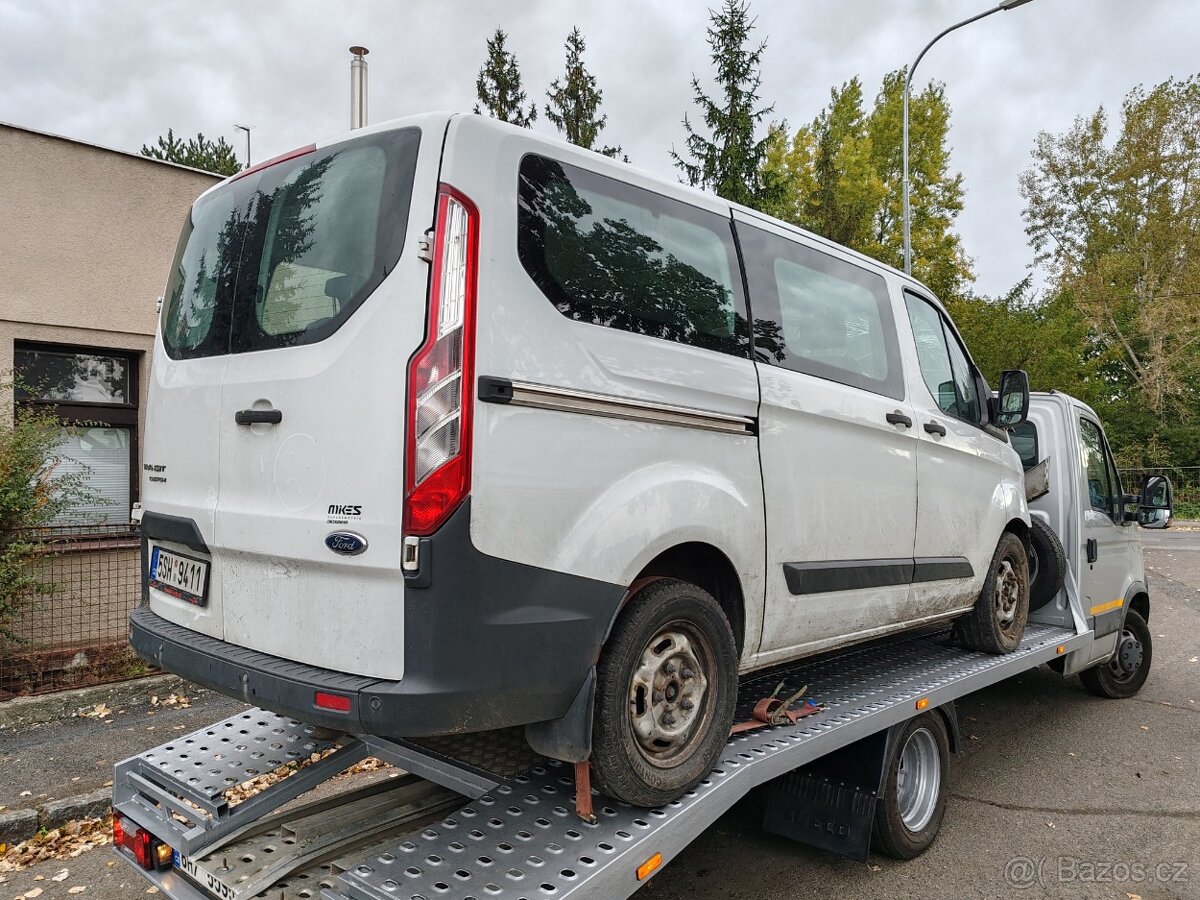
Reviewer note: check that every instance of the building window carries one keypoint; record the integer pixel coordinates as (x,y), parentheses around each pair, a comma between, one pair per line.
(94,393)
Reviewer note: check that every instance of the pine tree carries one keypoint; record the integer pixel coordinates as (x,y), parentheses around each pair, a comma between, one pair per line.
(730,162)
(199,152)
(574,107)
(499,85)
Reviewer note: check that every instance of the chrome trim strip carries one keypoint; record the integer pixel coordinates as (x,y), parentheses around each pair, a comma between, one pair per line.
(540,396)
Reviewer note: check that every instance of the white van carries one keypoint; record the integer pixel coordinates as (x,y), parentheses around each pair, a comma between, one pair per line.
(454,427)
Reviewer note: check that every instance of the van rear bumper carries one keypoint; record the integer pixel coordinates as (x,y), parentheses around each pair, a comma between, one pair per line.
(488,643)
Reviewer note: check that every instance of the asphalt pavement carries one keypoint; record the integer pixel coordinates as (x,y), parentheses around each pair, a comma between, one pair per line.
(1058,795)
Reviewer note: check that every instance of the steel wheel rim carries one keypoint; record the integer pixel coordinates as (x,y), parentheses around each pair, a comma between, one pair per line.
(670,703)
(1007,596)
(918,780)
(1127,660)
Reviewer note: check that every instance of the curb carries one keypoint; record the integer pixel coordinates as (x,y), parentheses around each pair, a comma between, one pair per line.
(64,704)
(21,824)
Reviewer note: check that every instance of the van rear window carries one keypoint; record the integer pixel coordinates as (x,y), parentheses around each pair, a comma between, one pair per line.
(611,254)
(283,256)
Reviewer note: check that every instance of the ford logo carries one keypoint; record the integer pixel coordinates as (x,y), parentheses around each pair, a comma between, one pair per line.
(346,543)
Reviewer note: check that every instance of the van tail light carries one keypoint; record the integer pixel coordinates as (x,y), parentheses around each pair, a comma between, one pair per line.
(438,452)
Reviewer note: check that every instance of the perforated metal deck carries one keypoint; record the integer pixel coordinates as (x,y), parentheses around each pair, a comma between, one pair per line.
(523,839)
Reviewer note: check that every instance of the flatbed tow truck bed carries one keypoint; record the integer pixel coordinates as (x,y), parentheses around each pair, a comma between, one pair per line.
(479,817)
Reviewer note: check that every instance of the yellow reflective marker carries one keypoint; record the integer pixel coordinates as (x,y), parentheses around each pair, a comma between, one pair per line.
(1105,607)
(647,868)
(1060,649)
(923,703)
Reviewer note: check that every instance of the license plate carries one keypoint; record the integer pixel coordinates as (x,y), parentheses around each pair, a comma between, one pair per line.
(179,575)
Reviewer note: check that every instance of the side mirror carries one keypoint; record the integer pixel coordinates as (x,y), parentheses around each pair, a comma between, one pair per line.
(1156,506)
(1012,406)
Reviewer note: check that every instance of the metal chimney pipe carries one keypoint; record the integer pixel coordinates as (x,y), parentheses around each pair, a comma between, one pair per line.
(358,87)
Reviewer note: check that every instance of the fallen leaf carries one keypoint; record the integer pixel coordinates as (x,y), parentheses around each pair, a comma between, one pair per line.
(1144,727)
(26,793)
(36,892)
(1133,896)
(152,890)
(1194,659)
(1050,825)
(78,889)
(62,876)
(873,868)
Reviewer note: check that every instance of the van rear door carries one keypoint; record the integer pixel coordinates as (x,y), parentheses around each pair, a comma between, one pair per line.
(322,295)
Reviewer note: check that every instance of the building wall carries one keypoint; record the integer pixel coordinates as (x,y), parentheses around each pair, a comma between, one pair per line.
(87,236)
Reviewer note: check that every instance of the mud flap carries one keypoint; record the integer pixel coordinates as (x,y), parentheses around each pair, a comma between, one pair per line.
(568,738)
(830,803)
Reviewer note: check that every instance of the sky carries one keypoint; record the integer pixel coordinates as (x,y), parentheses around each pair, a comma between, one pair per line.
(120,72)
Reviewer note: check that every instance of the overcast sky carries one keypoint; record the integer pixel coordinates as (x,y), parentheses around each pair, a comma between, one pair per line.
(119,72)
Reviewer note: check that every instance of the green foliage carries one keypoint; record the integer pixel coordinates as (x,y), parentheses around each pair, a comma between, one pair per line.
(33,493)
(199,152)
(1118,224)
(499,85)
(574,107)
(730,161)
(841,176)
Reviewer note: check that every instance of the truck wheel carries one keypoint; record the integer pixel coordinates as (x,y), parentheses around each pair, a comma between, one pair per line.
(1124,674)
(910,809)
(1047,564)
(666,688)
(997,623)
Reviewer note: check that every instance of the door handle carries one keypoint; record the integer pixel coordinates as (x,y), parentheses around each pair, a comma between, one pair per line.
(258,416)
(898,418)
(1093,550)
(935,428)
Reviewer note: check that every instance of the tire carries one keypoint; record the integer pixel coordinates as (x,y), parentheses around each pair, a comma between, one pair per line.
(910,809)
(1123,675)
(649,746)
(997,622)
(1047,564)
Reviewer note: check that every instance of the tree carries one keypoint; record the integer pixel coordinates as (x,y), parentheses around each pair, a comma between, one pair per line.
(1118,226)
(198,152)
(35,491)
(574,107)
(842,176)
(499,85)
(730,161)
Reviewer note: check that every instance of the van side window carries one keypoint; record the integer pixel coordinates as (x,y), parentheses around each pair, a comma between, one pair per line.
(944,364)
(1102,486)
(820,315)
(611,254)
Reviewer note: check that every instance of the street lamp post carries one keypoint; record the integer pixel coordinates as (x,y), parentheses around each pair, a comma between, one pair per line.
(1002,6)
(246,128)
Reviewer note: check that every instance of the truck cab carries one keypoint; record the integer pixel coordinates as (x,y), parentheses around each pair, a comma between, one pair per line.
(1073,487)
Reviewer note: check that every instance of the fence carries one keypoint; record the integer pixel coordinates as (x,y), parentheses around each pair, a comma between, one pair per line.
(76,634)
(1185,480)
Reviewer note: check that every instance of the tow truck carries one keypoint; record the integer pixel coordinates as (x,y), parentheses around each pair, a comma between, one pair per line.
(865,757)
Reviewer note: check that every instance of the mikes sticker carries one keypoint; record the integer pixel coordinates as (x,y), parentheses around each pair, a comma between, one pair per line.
(341,513)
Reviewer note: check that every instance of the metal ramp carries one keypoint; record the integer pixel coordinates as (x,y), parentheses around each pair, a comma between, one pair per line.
(520,836)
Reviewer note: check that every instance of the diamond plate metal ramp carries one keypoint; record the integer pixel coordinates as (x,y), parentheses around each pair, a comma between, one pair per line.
(523,839)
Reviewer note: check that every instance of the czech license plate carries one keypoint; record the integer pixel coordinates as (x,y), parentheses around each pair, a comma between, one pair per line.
(179,575)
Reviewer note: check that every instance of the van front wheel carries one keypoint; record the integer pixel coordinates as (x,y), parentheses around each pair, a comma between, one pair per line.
(666,689)
(997,623)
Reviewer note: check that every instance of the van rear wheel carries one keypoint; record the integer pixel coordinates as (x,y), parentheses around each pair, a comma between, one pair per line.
(997,622)
(665,694)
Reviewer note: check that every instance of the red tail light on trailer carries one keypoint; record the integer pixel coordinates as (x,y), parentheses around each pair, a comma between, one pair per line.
(440,389)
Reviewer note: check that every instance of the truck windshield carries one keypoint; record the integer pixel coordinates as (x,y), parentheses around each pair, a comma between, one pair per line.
(283,256)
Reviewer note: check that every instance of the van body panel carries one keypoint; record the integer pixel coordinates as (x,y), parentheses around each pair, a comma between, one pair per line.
(588,495)
(184,400)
